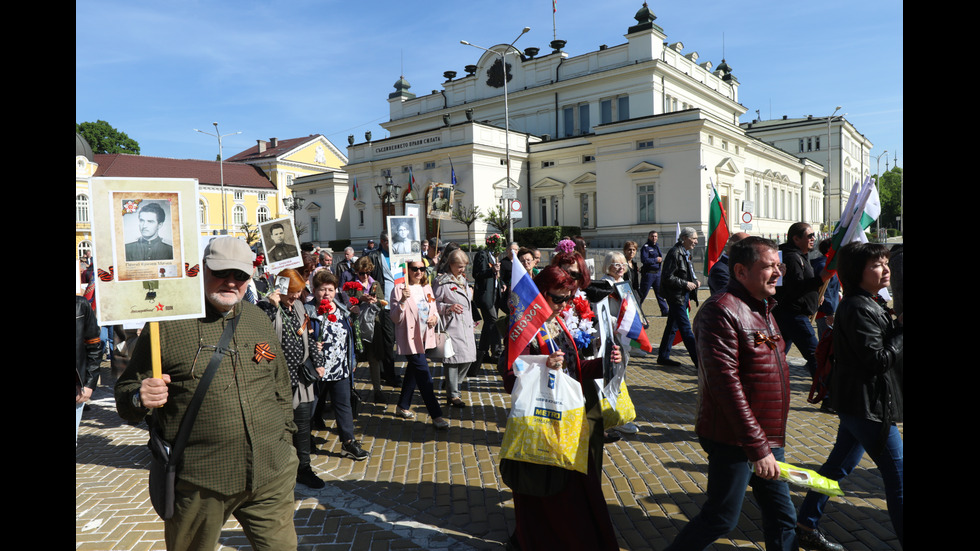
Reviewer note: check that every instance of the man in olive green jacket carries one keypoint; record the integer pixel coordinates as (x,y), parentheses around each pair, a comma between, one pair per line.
(239,458)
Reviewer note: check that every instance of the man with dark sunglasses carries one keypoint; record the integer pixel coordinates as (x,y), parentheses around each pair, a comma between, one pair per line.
(239,459)
(798,297)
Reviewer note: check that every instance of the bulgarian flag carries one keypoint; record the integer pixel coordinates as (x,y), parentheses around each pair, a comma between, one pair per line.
(630,325)
(528,310)
(411,180)
(717,229)
(354,187)
(863,208)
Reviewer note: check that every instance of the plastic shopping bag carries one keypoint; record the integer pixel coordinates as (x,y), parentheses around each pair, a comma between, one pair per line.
(547,423)
(808,479)
(617,407)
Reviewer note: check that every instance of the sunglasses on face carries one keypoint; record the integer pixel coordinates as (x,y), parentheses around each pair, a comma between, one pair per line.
(225,274)
(417,268)
(557,299)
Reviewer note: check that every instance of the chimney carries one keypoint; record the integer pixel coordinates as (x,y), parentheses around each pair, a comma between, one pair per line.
(261,145)
(273,142)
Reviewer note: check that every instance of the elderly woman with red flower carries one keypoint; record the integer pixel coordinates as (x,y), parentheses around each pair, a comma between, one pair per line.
(454,300)
(333,351)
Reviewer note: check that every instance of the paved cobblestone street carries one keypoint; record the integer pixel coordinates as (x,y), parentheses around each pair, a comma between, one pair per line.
(428,489)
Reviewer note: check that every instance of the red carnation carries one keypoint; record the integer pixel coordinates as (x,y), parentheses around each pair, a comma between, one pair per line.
(258,260)
(354,301)
(332,318)
(323,307)
(353,286)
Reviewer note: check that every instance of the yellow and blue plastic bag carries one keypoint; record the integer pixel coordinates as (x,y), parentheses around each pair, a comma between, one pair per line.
(617,407)
(547,423)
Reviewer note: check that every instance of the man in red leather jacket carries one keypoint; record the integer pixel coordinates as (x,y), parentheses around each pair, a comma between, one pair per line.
(744,394)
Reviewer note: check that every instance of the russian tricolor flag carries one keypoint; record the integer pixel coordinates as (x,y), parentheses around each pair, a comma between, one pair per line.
(528,310)
(630,324)
(398,274)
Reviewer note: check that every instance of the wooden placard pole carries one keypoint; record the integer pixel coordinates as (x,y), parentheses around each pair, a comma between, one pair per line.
(155,349)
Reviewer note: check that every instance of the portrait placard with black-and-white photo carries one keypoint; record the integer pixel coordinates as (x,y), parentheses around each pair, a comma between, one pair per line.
(404,244)
(281,244)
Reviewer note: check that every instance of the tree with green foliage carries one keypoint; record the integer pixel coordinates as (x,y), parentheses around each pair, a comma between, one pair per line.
(890,194)
(251,233)
(103,138)
(498,218)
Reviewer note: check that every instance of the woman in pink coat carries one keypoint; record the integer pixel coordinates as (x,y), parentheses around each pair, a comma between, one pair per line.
(413,310)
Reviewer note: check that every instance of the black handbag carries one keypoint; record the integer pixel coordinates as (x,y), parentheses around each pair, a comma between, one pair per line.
(164,460)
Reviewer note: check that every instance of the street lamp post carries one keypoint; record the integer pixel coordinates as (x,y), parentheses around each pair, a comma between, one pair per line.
(386,195)
(221,172)
(878,177)
(503,63)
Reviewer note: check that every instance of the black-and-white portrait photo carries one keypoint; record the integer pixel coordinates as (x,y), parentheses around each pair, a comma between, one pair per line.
(403,238)
(280,244)
(147,232)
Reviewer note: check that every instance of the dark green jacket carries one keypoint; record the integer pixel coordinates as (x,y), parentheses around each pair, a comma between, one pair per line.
(242,437)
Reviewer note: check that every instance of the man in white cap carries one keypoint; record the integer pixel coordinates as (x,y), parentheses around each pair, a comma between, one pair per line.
(239,458)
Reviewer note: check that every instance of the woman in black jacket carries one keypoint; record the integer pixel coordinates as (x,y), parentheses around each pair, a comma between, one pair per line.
(866,388)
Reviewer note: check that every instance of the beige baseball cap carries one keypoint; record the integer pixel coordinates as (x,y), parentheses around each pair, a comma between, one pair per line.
(229,253)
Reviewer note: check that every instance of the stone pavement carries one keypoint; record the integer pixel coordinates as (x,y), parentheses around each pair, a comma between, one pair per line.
(428,489)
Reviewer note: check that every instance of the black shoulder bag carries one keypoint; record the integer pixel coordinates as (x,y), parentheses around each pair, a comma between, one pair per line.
(165,460)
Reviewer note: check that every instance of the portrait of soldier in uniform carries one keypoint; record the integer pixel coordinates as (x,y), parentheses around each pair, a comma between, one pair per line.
(280,249)
(149,245)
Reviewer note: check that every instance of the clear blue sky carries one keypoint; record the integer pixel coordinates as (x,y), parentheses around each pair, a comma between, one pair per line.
(157,70)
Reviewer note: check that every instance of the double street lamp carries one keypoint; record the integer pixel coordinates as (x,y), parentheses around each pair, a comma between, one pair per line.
(387,194)
(221,170)
(503,65)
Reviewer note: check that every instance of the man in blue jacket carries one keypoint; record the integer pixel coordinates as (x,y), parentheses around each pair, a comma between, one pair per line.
(652,259)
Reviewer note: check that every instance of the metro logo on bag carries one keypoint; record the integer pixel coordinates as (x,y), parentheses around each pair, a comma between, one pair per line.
(547,423)
(548,413)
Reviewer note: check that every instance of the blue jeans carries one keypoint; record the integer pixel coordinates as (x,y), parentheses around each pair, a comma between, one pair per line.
(417,374)
(854,436)
(729,473)
(651,280)
(799,330)
(678,320)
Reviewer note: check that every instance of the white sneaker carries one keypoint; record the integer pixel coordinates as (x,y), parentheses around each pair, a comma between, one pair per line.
(628,428)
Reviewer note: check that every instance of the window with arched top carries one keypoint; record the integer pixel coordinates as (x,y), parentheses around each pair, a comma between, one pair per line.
(238,215)
(84,249)
(81,208)
(202,209)
(263,214)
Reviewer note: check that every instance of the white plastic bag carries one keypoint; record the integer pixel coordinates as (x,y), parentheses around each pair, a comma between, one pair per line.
(547,423)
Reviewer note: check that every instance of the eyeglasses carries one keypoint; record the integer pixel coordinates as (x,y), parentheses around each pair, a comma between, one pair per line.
(417,268)
(809,236)
(225,274)
(617,265)
(208,350)
(557,299)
